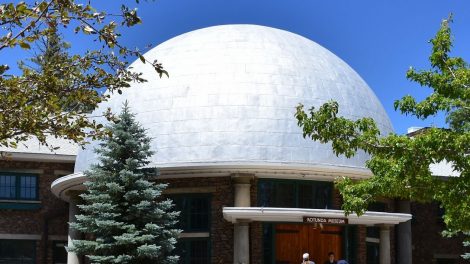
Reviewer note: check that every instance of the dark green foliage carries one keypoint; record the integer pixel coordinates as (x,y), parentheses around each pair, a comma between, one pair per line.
(400,164)
(123,210)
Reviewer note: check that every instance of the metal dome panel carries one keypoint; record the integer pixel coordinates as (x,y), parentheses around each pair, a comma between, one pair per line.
(231,97)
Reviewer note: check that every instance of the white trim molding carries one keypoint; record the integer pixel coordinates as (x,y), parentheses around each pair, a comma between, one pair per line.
(21,201)
(373,240)
(184,190)
(32,171)
(57,238)
(295,215)
(40,157)
(20,237)
(194,235)
(263,170)
(72,182)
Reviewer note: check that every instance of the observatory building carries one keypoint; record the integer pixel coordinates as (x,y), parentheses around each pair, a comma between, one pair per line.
(251,188)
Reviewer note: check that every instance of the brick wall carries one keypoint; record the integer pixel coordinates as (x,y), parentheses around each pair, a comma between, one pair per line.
(256,229)
(52,217)
(337,199)
(362,250)
(426,235)
(426,227)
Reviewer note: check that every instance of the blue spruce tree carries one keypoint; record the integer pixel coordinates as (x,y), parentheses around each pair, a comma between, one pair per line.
(123,215)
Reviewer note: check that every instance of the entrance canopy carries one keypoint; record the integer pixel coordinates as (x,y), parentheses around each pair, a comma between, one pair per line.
(296,215)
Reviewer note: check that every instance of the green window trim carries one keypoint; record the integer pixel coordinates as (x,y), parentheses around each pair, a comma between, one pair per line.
(189,218)
(18,251)
(196,214)
(19,205)
(26,186)
(187,250)
(280,196)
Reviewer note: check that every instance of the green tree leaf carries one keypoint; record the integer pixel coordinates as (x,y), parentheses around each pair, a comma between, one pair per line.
(53,95)
(401,164)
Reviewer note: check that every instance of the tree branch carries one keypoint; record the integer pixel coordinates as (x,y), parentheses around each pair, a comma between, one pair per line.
(5,44)
(453,75)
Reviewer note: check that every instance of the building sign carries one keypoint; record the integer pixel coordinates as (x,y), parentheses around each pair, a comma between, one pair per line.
(325,220)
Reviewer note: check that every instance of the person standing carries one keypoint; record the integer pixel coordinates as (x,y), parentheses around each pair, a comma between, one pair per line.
(331,258)
(306,259)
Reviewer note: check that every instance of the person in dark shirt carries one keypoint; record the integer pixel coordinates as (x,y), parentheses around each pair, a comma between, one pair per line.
(331,258)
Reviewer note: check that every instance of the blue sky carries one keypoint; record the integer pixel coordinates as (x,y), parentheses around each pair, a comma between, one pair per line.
(379,39)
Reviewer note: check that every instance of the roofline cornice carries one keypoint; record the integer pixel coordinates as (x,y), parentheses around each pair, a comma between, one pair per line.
(282,171)
(39,157)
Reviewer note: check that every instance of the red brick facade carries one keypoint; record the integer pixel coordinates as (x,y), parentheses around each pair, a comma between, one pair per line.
(361,250)
(428,243)
(52,217)
(49,222)
(256,229)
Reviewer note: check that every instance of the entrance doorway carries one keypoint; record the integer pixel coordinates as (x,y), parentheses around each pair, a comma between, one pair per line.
(292,240)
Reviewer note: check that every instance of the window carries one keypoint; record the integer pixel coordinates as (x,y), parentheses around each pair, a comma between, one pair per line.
(378,207)
(446,261)
(295,194)
(373,253)
(373,235)
(193,251)
(18,186)
(373,232)
(193,247)
(268,242)
(194,212)
(59,254)
(17,252)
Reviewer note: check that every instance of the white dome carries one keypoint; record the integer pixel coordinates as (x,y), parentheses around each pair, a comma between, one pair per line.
(231,97)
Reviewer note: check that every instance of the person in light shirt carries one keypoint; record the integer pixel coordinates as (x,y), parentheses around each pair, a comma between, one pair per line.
(306,259)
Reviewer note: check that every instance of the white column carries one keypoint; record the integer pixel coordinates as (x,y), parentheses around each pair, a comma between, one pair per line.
(241,243)
(72,258)
(385,244)
(404,235)
(242,195)
(241,230)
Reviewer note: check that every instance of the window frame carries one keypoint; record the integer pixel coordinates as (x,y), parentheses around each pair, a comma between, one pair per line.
(185,242)
(33,244)
(296,183)
(55,253)
(18,186)
(187,214)
(186,257)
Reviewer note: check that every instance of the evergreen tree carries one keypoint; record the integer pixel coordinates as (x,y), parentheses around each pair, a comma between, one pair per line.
(123,215)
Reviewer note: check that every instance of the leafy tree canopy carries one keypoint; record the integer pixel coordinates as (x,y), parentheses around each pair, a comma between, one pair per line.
(55,98)
(400,164)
